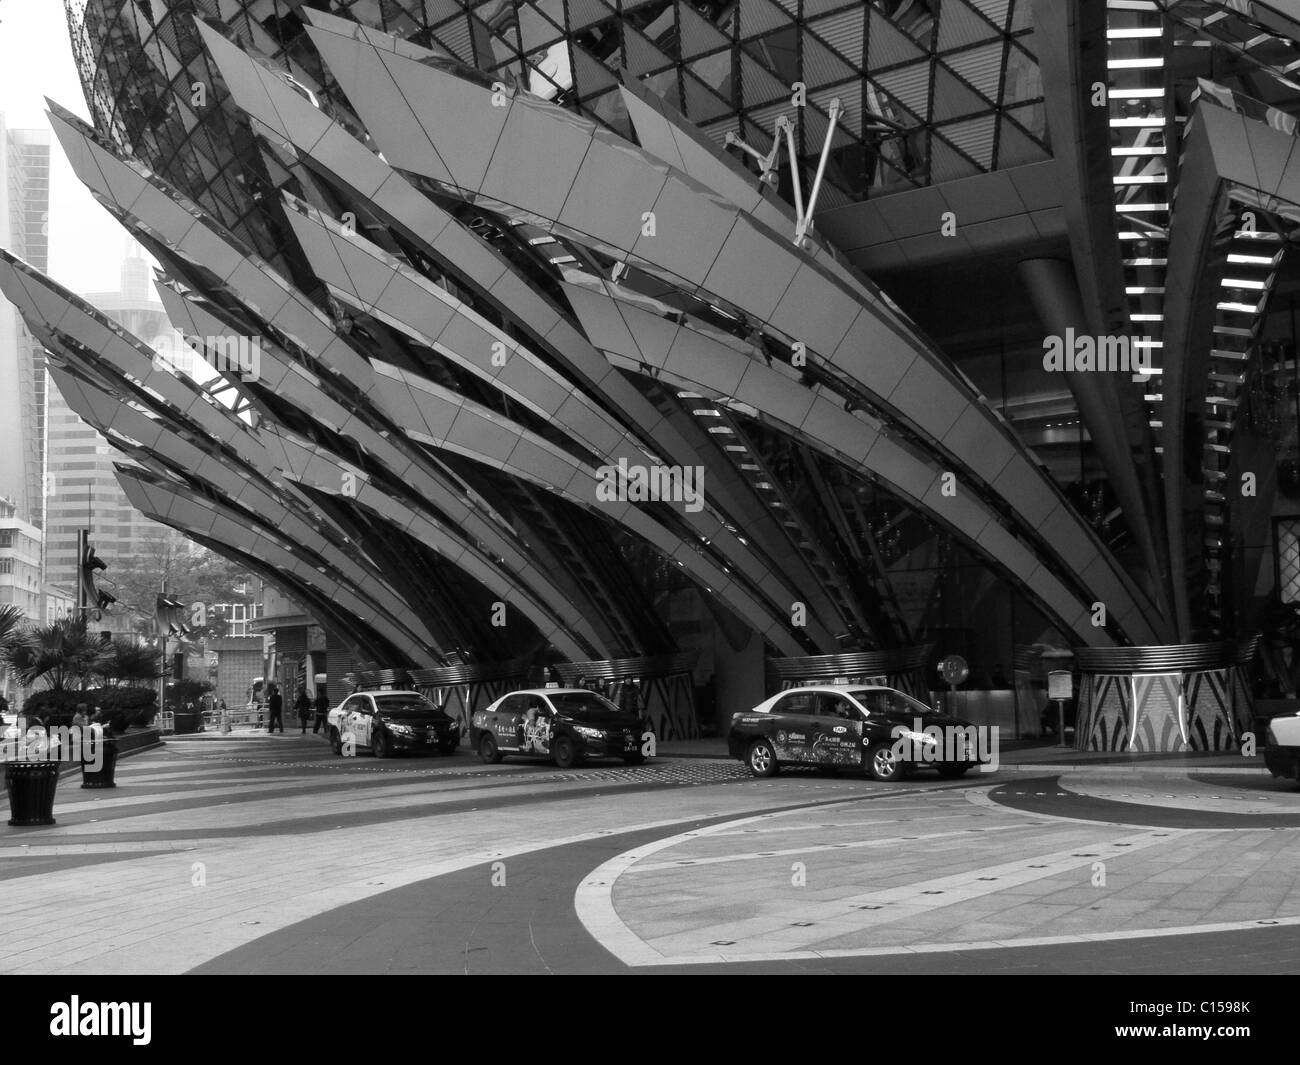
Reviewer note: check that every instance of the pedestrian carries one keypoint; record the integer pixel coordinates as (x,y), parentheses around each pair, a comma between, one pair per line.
(82,717)
(303,705)
(275,703)
(322,708)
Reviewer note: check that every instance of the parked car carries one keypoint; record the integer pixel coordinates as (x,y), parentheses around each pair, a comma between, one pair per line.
(391,721)
(866,727)
(1282,746)
(566,725)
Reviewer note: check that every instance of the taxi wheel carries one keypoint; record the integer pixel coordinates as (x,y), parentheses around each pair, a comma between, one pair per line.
(761,759)
(381,744)
(952,772)
(884,764)
(336,741)
(487,750)
(565,753)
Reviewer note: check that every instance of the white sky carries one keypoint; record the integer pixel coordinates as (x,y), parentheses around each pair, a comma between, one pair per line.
(86,244)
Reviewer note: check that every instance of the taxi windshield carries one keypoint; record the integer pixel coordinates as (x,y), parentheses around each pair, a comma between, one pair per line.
(882,701)
(404,706)
(580,703)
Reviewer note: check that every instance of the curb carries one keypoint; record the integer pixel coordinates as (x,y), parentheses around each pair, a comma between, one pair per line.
(1140,767)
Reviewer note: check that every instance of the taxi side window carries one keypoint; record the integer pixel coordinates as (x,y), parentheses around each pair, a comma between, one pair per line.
(876,703)
(536,702)
(356,704)
(514,704)
(800,703)
(836,706)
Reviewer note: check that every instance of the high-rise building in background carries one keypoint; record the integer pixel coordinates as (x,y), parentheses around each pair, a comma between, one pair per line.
(82,488)
(20,561)
(24,222)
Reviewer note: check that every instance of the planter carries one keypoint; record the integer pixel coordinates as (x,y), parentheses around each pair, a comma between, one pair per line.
(102,777)
(188,722)
(31,792)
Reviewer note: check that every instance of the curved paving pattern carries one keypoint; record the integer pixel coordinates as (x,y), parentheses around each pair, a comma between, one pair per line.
(267,854)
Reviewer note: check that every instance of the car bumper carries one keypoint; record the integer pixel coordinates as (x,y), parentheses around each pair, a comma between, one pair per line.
(416,744)
(609,747)
(1283,761)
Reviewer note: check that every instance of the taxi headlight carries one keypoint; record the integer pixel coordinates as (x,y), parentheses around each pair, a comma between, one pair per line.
(589,733)
(920,737)
(401,730)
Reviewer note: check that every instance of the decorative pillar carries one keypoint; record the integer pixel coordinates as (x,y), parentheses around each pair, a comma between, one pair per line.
(664,687)
(1181,697)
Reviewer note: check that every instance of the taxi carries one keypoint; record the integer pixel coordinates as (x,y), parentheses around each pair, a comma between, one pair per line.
(390,721)
(565,725)
(1282,746)
(880,730)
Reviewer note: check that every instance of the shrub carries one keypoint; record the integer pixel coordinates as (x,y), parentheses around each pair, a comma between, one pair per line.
(184,691)
(121,707)
(54,708)
(126,706)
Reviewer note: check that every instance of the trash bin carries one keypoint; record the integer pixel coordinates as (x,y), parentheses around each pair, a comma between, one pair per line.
(102,777)
(30,786)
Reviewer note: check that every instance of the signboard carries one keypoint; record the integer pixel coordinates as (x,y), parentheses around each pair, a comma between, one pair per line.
(1060,684)
(953,669)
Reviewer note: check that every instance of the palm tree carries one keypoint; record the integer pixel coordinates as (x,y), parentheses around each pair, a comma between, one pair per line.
(126,662)
(64,654)
(11,620)
(11,628)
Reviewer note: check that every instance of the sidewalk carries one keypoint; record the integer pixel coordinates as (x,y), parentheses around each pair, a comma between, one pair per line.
(1024,756)
(1038,756)
(242,732)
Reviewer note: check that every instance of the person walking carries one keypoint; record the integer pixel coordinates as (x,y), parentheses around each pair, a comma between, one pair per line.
(275,704)
(303,705)
(322,706)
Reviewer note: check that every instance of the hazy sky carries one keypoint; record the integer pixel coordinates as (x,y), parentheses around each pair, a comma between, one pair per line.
(86,243)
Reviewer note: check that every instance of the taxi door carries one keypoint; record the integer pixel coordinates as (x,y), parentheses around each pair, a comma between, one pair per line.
(836,731)
(507,723)
(356,720)
(791,732)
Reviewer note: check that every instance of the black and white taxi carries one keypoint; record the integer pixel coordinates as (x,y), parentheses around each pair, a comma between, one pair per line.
(1282,746)
(566,725)
(389,721)
(851,726)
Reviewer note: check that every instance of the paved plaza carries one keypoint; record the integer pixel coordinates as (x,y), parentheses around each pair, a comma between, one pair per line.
(268,854)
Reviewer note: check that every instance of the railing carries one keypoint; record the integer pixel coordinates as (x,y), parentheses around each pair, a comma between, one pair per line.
(242,717)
